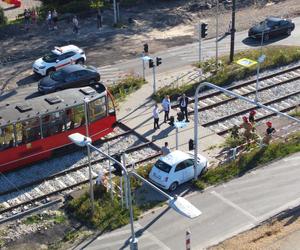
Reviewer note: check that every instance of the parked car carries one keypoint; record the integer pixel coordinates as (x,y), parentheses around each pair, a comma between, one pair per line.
(58,58)
(176,168)
(271,27)
(71,76)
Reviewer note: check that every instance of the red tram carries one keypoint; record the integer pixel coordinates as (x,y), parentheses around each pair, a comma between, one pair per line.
(32,130)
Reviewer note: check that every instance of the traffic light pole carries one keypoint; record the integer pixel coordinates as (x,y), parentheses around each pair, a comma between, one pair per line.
(115,12)
(143,66)
(154,83)
(199,28)
(217,35)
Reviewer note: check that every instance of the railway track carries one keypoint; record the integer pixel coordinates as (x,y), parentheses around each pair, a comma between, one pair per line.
(220,112)
(39,191)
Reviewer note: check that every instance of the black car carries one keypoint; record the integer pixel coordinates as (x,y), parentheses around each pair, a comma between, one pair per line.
(71,76)
(271,27)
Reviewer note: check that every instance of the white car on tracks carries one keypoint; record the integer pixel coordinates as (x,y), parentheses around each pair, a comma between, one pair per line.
(176,168)
(58,58)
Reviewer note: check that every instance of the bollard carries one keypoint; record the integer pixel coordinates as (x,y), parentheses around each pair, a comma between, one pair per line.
(191,144)
(188,240)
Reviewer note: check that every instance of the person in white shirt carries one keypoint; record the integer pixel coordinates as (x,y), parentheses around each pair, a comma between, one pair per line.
(165,149)
(166,104)
(155,113)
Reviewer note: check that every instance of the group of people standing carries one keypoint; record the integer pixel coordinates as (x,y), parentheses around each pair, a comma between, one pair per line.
(248,126)
(183,102)
(52,18)
(30,17)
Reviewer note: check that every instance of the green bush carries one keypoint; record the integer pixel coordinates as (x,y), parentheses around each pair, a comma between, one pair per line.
(126,86)
(3,18)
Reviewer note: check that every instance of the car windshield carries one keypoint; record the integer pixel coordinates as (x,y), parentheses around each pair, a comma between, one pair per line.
(163,166)
(271,23)
(58,75)
(50,57)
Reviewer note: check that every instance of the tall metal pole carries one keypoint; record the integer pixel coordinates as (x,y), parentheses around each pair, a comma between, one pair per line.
(110,177)
(115,12)
(199,31)
(143,66)
(232,31)
(125,182)
(176,138)
(154,83)
(217,35)
(133,240)
(89,155)
(257,82)
(196,130)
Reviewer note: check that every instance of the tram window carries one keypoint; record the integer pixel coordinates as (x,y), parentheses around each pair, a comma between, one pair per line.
(76,117)
(7,138)
(97,109)
(53,123)
(28,131)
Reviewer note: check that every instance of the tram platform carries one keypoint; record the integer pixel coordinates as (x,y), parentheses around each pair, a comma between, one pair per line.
(136,112)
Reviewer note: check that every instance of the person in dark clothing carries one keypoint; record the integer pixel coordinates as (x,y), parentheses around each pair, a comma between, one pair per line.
(268,134)
(183,104)
(251,117)
(99,19)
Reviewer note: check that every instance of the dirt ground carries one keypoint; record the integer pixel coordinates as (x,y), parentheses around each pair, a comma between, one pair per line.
(277,233)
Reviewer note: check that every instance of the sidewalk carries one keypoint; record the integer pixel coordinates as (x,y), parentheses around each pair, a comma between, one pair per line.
(136,112)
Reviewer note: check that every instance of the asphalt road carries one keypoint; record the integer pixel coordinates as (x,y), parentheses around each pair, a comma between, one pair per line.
(178,57)
(226,210)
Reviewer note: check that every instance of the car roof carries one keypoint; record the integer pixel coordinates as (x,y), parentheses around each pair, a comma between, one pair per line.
(72,68)
(175,157)
(274,19)
(64,49)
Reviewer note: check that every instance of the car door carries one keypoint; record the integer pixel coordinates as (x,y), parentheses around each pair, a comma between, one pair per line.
(83,77)
(179,173)
(71,81)
(64,59)
(284,26)
(189,169)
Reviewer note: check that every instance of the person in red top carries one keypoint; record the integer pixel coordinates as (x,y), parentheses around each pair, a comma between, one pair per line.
(247,126)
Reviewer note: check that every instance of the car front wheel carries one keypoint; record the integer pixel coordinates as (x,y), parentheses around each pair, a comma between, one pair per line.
(80,61)
(173,186)
(289,31)
(50,71)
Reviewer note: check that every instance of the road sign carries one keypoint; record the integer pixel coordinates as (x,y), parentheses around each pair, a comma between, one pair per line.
(146,58)
(180,124)
(246,62)
(261,59)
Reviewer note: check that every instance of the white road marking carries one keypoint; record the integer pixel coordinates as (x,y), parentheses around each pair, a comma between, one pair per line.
(230,203)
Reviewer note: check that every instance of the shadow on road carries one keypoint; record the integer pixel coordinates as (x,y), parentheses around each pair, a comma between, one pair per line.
(257,42)
(28,80)
(33,95)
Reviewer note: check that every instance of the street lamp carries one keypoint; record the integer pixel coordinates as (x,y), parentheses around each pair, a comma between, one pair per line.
(179,204)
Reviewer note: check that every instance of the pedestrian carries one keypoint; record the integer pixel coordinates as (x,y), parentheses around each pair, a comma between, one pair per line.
(183,104)
(166,105)
(49,20)
(33,16)
(54,19)
(247,126)
(26,19)
(268,134)
(99,19)
(165,149)
(75,25)
(156,116)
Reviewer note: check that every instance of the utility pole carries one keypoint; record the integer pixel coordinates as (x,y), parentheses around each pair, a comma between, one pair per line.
(232,31)
(217,34)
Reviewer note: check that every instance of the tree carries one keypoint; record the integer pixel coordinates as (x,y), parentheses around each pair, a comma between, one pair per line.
(96,4)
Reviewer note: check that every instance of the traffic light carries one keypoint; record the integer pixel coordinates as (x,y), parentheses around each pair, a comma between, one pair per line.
(146,48)
(204,29)
(151,64)
(117,167)
(158,61)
